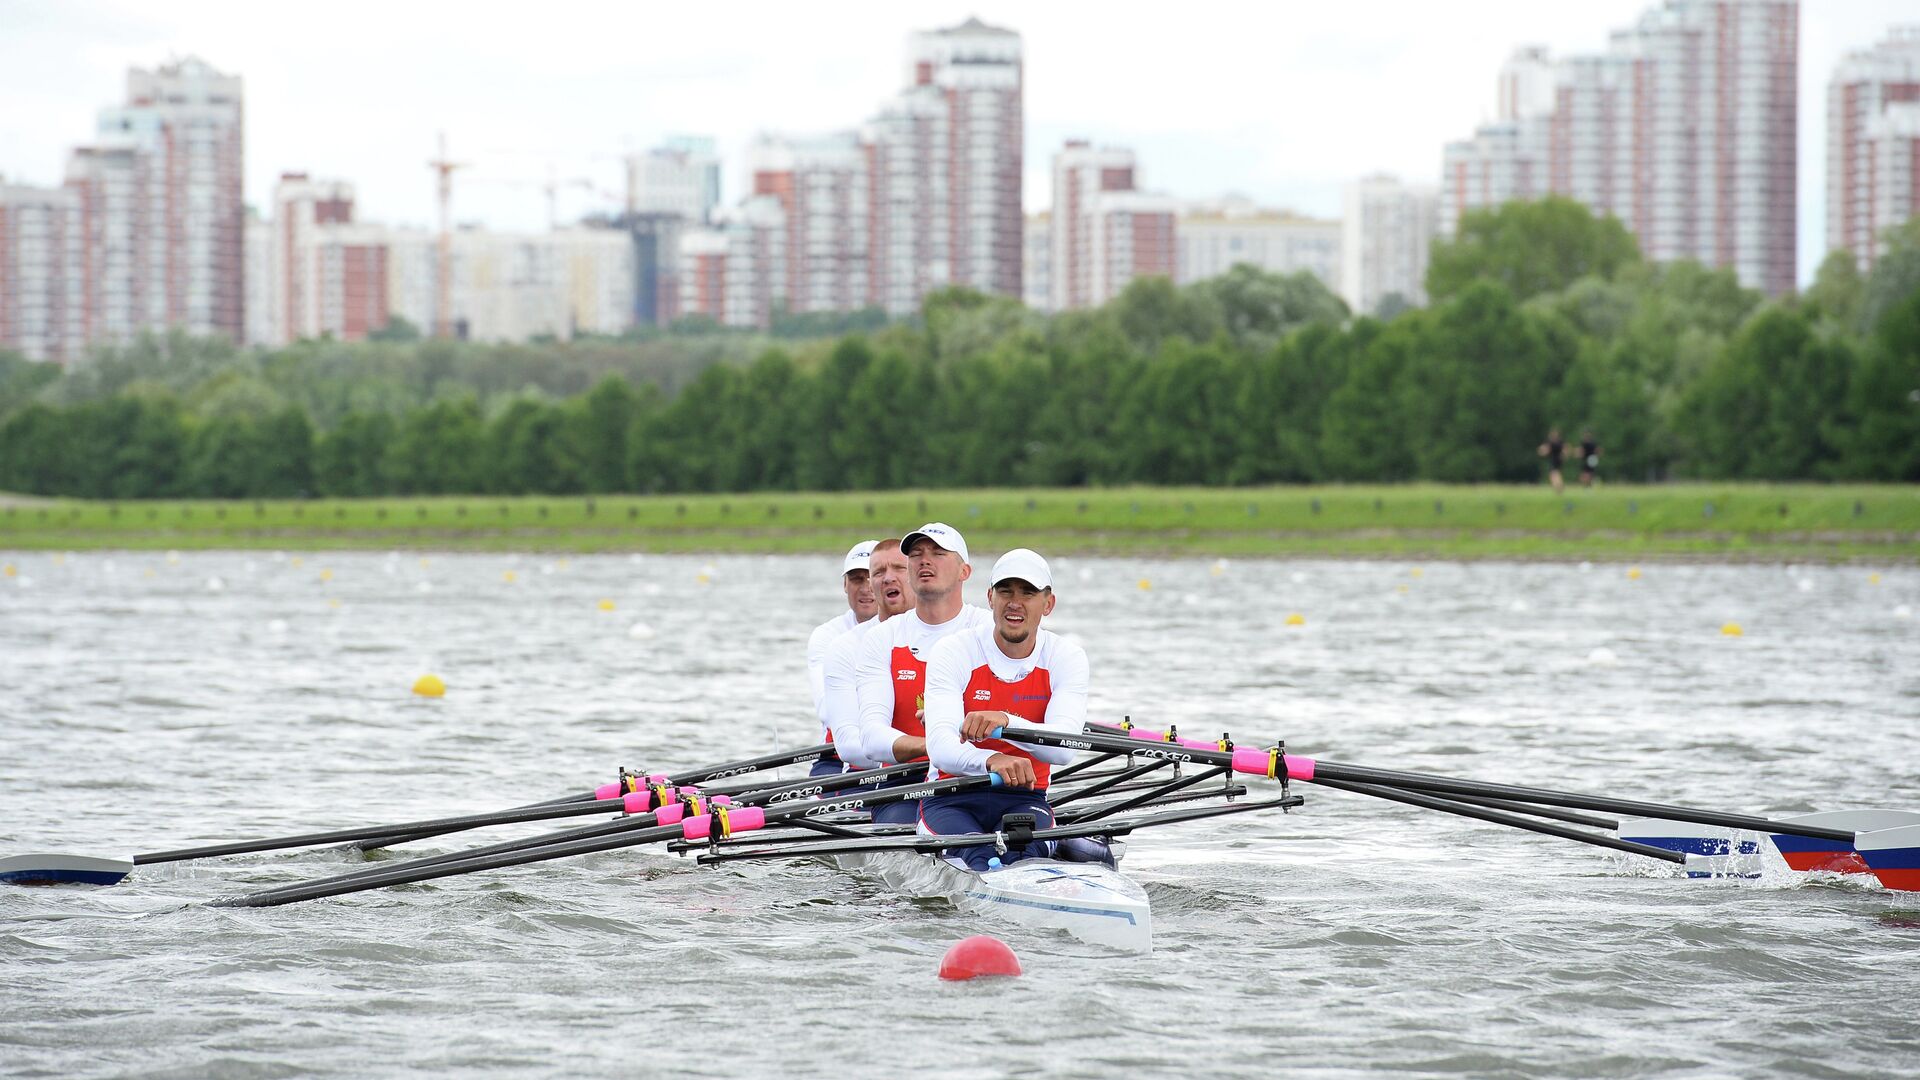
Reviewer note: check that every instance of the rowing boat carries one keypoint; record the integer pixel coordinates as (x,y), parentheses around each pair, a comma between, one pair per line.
(1093,903)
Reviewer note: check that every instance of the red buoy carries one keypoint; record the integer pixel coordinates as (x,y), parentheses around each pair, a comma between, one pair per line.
(978,955)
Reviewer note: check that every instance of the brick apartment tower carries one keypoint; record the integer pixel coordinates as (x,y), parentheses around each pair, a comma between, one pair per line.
(1685,130)
(821,186)
(161,209)
(41,299)
(1869,93)
(944,161)
(330,275)
(1081,172)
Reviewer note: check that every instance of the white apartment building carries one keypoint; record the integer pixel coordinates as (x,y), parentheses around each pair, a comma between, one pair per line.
(1215,235)
(1387,230)
(1130,234)
(1684,129)
(680,177)
(42,287)
(261,328)
(1081,172)
(1894,137)
(910,195)
(735,272)
(1036,262)
(1864,171)
(329,271)
(821,186)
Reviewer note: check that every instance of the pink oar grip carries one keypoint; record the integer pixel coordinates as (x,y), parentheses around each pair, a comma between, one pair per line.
(657,778)
(1145,735)
(1198,744)
(606,791)
(1248,759)
(670,814)
(742,820)
(636,802)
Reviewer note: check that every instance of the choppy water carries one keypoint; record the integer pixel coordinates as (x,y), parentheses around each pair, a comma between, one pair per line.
(147,703)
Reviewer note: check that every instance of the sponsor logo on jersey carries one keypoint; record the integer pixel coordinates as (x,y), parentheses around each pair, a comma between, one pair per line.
(905,674)
(1030,697)
(986,695)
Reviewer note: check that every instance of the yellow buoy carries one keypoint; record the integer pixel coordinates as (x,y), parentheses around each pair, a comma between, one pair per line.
(702,579)
(11,570)
(295,562)
(1873,579)
(333,602)
(1145,584)
(1401,589)
(1296,619)
(562,564)
(606,605)
(1415,572)
(1732,629)
(1219,567)
(326,575)
(424,563)
(1633,573)
(430,686)
(507,576)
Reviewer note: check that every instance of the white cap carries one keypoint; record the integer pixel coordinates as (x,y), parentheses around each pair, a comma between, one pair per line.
(940,533)
(857,557)
(1024,564)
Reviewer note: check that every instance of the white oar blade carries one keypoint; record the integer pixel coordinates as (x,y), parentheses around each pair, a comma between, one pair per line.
(45,868)
(1712,851)
(1835,856)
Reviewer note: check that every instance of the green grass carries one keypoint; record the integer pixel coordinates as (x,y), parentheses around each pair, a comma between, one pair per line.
(1716,521)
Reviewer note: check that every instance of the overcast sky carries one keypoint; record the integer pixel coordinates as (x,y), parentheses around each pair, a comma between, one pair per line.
(1283,101)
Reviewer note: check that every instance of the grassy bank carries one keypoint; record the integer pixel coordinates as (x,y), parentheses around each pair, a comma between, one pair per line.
(1708,521)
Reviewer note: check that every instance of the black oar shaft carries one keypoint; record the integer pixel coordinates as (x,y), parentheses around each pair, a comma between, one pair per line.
(447,824)
(1501,817)
(403,876)
(1572,817)
(1446,785)
(399,835)
(796,789)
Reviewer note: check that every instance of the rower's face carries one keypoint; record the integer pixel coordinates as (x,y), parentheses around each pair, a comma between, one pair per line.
(890,581)
(933,570)
(1017,609)
(860,594)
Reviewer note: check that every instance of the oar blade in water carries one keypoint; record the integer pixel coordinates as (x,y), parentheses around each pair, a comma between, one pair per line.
(52,868)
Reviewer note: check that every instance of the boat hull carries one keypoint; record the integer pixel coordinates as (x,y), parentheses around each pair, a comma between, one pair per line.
(1093,903)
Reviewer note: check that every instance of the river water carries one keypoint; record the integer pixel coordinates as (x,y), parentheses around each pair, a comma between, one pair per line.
(151,701)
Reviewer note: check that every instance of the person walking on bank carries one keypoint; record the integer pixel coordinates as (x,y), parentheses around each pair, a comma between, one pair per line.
(1554,449)
(1589,458)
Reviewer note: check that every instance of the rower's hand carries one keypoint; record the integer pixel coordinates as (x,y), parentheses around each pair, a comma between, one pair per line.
(980,725)
(1014,772)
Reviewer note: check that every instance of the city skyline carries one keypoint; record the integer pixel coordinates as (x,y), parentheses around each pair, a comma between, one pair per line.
(501,90)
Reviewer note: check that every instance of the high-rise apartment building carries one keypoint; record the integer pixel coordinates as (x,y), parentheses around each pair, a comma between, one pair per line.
(680,176)
(735,272)
(821,186)
(1895,178)
(162,207)
(1130,234)
(1036,262)
(42,297)
(1387,231)
(1216,235)
(1868,100)
(329,271)
(976,70)
(1685,129)
(909,191)
(1081,172)
(1502,162)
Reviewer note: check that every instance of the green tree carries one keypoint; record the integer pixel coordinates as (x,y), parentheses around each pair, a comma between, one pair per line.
(1765,407)
(1884,401)
(605,434)
(1837,289)
(441,450)
(1530,248)
(351,459)
(1258,308)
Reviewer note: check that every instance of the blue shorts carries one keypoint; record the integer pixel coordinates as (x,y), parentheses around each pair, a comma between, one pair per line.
(827,766)
(905,812)
(980,812)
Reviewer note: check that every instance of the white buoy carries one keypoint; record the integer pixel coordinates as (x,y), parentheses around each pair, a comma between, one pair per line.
(1901,612)
(214,584)
(1806,584)
(423,586)
(1585,566)
(641,632)
(1519,607)
(1601,656)
(277,626)
(1298,577)
(650,589)
(1086,573)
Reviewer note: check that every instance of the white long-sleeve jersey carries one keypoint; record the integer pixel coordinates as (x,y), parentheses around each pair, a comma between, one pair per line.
(890,679)
(818,643)
(968,673)
(840,705)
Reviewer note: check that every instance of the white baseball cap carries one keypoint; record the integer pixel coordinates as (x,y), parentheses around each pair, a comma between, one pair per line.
(942,534)
(857,557)
(1024,564)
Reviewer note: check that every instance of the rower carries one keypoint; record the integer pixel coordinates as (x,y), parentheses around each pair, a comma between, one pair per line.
(840,706)
(890,672)
(985,678)
(855,580)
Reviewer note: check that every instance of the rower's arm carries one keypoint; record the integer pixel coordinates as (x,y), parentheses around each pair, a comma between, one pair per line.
(818,645)
(947,677)
(1067,670)
(840,705)
(873,694)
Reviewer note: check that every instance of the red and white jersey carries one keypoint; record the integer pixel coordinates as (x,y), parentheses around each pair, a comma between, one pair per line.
(968,673)
(890,677)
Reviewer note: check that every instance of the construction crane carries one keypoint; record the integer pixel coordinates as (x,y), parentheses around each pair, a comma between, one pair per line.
(443,168)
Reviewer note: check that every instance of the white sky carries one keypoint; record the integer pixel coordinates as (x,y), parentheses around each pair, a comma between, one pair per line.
(1283,101)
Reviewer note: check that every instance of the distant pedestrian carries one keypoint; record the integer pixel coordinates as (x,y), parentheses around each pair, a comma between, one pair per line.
(1589,458)
(1554,450)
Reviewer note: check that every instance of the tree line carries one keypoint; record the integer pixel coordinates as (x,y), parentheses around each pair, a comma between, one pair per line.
(1539,314)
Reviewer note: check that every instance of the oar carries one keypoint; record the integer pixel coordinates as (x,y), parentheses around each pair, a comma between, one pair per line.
(804,788)
(775,760)
(721,823)
(1500,817)
(47,868)
(1276,765)
(1113,827)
